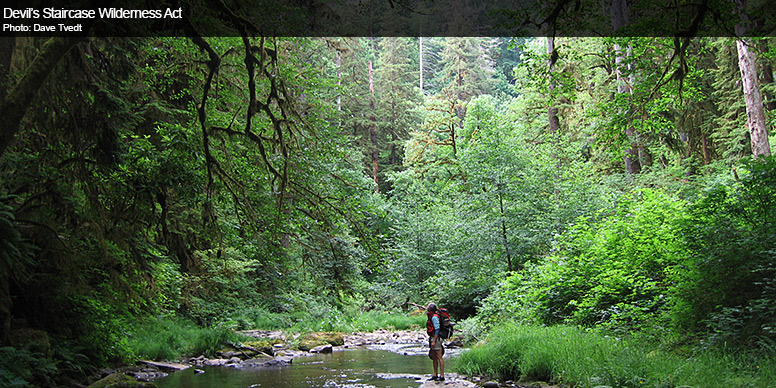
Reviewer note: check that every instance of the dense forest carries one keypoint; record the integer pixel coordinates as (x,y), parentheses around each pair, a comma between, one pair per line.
(615,185)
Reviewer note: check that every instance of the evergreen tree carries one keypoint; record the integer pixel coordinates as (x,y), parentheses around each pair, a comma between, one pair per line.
(397,100)
(730,124)
(467,67)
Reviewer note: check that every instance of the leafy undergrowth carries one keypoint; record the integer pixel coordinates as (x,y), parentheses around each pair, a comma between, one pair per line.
(574,357)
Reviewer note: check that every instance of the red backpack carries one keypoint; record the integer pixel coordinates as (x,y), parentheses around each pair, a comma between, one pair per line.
(445,324)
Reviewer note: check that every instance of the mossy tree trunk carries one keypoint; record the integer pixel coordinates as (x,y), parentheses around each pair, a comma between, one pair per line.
(14,104)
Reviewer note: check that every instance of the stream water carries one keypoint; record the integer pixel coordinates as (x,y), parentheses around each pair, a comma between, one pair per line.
(349,368)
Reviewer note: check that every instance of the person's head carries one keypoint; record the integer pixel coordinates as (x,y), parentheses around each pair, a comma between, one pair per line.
(431,307)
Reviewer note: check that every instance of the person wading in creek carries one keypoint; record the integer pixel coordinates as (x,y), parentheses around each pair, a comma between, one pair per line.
(436,350)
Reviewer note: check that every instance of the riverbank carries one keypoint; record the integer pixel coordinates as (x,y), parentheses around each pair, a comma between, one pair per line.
(271,349)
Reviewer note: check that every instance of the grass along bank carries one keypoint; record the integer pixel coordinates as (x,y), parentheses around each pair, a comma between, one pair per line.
(573,357)
(171,338)
(175,338)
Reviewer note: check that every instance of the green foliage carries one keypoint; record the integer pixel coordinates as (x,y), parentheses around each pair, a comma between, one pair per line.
(319,316)
(15,260)
(728,286)
(135,209)
(102,330)
(571,356)
(25,368)
(613,270)
(463,221)
(31,365)
(373,320)
(729,122)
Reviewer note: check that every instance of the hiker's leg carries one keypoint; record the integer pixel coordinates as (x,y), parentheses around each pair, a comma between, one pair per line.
(441,365)
(432,356)
(436,362)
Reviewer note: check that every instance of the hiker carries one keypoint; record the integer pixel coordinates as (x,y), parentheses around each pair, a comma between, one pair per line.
(436,350)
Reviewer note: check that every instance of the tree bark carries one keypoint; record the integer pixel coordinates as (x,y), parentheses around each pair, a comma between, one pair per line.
(15,104)
(505,240)
(373,131)
(706,155)
(339,79)
(619,13)
(420,54)
(632,165)
(755,113)
(552,111)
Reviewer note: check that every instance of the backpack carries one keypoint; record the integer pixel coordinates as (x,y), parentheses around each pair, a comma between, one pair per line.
(445,324)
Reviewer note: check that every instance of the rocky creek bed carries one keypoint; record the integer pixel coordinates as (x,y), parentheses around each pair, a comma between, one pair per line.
(272,349)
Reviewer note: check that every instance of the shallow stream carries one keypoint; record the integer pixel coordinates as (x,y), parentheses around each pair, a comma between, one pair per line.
(379,367)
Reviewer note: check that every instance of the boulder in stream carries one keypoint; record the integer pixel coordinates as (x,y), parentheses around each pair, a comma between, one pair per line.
(322,349)
(313,340)
(264,363)
(120,380)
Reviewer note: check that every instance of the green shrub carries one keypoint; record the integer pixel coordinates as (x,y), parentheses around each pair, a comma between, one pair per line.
(310,315)
(613,271)
(727,290)
(102,330)
(25,368)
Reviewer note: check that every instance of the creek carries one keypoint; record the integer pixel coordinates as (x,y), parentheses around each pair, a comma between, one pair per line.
(360,367)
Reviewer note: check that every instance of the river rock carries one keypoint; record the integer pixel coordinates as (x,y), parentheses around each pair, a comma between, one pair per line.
(215,362)
(226,354)
(322,349)
(120,380)
(264,363)
(268,334)
(490,384)
(450,382)
(317,339)
(148,375)
(264,345)
(385,337)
